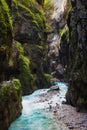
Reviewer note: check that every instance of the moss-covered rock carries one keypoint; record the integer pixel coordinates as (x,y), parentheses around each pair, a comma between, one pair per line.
(6,38)
(6,24)
(10,102)
(25,76)
(38,64)
(29,23)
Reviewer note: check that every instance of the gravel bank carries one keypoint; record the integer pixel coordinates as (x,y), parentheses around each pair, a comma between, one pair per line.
(65,114)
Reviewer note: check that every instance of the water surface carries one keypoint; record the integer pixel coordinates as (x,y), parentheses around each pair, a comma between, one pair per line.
(34,116)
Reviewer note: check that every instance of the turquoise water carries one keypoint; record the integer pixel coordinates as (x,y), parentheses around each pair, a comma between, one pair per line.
(34,117)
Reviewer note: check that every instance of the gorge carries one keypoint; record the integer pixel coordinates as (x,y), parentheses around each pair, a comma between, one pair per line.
(43,45)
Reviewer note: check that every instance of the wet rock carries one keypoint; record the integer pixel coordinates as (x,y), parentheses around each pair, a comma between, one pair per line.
(54,88)
(77,91)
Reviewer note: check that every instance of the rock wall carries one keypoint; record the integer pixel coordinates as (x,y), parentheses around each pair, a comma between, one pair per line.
(23,48)
(59,41)
(10,91)
(77,22)
(29,25)
(6,38)
(10,102)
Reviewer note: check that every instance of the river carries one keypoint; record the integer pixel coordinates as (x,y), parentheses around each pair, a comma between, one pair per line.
(36,114)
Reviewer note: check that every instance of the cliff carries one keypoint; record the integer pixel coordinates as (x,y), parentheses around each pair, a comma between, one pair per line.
(23,44)
(23,53)
(77,21)
(29,26)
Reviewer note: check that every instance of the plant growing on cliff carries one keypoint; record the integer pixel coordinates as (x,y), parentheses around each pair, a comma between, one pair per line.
(25,76)
(5,22)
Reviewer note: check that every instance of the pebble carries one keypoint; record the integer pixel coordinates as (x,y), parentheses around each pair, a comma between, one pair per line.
(55,111)
(61,116)
(71,127)
(63,102)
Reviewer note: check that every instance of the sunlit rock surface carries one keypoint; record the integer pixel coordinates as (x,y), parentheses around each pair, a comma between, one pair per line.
(58,47)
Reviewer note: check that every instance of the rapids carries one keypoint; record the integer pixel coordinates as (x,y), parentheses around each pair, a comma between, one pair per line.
(36,114)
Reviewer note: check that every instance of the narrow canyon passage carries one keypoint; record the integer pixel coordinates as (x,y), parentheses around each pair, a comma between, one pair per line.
(44,110)
(43,64)
(39,107)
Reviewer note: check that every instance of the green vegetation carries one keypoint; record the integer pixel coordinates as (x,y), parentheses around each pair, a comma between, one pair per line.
(17,64)
(47,77)
(10,102)
(65,31)
(5,22)
(32,11)
(20,48)
(68,12)
(10,90)
(25,76)
(17,84)
(6,37)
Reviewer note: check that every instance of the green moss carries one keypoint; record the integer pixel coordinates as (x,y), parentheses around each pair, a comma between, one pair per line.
(36,51)
(47,77)
(17,84)
(63,31)
(20,48)
(68,12)
(48,5)
(35,15)
(10,89)
(25,76)
(5,21)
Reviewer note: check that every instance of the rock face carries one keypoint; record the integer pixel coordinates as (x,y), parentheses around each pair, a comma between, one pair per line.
(10,91)
(10,102)
(29,25)
(58,48)
(6,38)
(77,21)
(25,60)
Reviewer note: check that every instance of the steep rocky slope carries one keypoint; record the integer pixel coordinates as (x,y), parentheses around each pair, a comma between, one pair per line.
(6,39)
(77,21)
(21,21)
(10,91)
(59,40)
(24,46)
(29,25)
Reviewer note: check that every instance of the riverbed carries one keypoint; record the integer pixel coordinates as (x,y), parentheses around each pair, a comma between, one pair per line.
(38,108)
(45,109)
